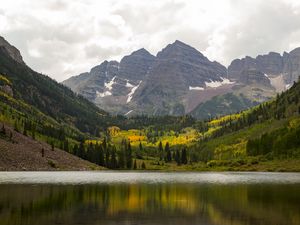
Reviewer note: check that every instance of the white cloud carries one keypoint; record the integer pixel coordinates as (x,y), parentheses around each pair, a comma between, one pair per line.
(66,37)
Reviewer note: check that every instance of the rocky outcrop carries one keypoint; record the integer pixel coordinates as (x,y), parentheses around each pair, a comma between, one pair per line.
(291,67)
(272,65)
(177,68)
(147,84)
(254,76)
(12,51)
(179,78)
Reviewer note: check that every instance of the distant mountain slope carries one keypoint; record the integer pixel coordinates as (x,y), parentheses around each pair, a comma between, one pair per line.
(280,70)
(180,80)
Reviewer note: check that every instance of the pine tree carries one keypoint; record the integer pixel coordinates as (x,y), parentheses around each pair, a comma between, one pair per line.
(177,157)
(160,151)
(168,157)
(143,166)
(66,145)
(16,126)
(121,157)
(107,155)
(113,160)
(100,155)
(75,149)
(90,152)
(140,147)
(184,156)
(134,165)
(81,150)
(129,157)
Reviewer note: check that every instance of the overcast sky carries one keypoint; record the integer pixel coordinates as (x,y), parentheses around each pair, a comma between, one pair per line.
(62,38)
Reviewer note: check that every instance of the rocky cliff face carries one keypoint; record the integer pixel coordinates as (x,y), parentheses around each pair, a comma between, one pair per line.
(281,70)
(178,70)
(13,52)
(145,84)
(179,79)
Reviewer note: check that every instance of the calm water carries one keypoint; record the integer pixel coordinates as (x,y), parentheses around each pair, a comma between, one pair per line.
(44,198)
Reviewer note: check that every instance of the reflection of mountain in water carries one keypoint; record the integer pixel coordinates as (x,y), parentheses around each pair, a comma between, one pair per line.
(150,204)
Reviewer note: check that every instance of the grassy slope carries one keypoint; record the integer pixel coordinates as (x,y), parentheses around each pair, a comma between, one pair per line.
(24,153)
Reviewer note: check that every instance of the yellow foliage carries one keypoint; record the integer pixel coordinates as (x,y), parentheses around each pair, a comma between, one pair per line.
(4,79)
(114,130)
(217,122)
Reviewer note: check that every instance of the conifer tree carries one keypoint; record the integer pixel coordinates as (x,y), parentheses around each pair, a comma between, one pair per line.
(160,151)
(81,150)
(143,166)
(168,157)
(129,156)
(121,157)
(184,156)
(113,160)
(177,157)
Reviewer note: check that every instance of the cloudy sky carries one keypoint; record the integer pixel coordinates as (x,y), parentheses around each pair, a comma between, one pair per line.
(62,38)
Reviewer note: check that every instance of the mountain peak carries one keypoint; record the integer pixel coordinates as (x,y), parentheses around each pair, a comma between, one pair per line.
(178,42)
(141,52)
(178,48)
(296,51)
(12,51)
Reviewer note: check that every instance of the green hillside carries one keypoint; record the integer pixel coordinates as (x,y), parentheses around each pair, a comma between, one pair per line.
(268,132)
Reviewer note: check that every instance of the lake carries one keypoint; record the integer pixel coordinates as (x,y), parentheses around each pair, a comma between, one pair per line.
(210,198)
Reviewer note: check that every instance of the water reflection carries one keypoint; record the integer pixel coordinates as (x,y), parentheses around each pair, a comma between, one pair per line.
(150,204)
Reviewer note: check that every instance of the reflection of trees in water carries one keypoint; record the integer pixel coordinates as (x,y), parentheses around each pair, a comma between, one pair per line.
(99,204)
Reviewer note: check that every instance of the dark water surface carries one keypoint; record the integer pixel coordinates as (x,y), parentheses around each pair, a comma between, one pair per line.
(44,198)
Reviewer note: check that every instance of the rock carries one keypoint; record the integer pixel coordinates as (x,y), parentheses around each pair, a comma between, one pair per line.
(12,51)
(272,64)
(179,78)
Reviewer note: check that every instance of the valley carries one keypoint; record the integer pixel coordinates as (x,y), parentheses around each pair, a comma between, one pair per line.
(237,134)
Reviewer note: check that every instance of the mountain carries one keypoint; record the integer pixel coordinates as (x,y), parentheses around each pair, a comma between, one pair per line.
(173,82)
(181,80)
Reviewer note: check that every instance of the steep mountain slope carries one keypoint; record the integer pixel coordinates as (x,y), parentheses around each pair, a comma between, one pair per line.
(281,71)
(181,80)
(46,95)
(178,71)
(173,82)
(112,84)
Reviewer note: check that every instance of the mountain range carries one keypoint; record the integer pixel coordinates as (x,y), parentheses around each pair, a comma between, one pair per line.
(181,80)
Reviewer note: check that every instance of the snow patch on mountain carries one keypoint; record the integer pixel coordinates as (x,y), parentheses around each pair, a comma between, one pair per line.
(129,85)
(278,82)
(196,88)
(130,95)
(215,84)
(110,83)
(103,94)
(126,114)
